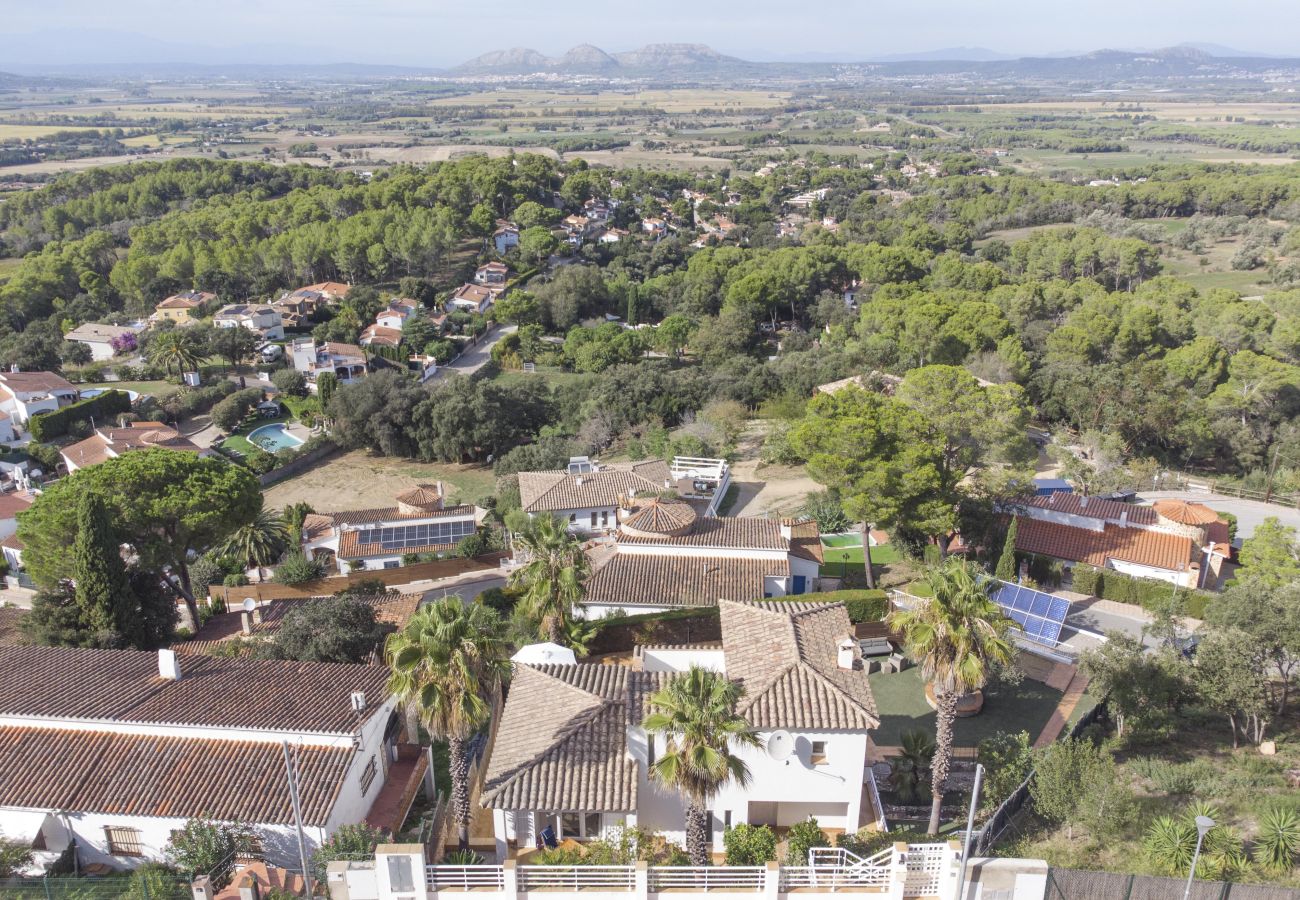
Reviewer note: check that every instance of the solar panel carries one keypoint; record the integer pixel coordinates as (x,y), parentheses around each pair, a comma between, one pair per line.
(1039,614)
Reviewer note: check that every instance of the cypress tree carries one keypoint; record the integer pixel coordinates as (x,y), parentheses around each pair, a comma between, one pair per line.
(1006,569)
(102,589)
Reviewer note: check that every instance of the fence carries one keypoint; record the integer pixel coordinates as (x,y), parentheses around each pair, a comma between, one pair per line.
(488,564)
(298,464)
(997,824)
(1078,884)
(150,885)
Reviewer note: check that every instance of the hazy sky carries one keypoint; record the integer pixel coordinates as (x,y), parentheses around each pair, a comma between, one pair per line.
(438,32)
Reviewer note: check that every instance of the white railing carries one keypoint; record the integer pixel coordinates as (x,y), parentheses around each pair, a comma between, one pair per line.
(707,878)
(924,869)
(873,792)
(573,878)
(796,877)
(465,878)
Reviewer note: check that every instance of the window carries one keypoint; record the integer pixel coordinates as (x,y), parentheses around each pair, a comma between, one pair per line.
(570,825)
(573,517)
(123,841)
(368,775)
(818,755)
(604,518)
(593,518)
(649,750)
(391,563)
(726,820)
(591,825)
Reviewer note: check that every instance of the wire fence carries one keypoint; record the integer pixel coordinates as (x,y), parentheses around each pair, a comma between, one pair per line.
(1079,884)
(150,884)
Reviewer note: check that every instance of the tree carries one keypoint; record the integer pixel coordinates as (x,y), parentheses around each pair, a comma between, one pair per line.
(173,349)
(233,344)
(164,504)
(448,663)
(290,382)
(956,636)
(207,848)
(1231,676)
(1270,614)
(1139,686)
(551,581)
(326,384)
(340,629)
(1006,570)
(909,770)
(1271,556)
(536,244)
(102,589)
(873,451)
(1076,781)
(672,334)
(1007,760)
(258,543)
(298,569)
(695,714)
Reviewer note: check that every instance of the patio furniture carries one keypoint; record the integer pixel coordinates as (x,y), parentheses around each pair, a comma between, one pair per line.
(876,646)
(548,837)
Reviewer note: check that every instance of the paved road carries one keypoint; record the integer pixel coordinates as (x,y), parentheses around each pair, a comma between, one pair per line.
(1249,513)
(468,586)
(477,356)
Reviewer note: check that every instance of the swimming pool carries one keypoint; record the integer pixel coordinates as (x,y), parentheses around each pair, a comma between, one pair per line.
(87,393)
(274,438)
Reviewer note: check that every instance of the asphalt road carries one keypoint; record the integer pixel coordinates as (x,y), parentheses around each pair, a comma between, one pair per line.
(1249,513)
(477,356)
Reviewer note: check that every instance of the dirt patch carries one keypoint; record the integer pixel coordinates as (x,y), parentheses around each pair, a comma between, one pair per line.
(357,480)
(766,490)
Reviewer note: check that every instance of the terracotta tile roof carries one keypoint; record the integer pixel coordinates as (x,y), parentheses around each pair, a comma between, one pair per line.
(350,547)
(555,491)
(96,333)
(337,288)
(124,686)
(474,293)
(315,525)
(805,539)
(10,633)
(13,503)
(723,534)
(369,516)
(1093,507)
(562,742)
(36,382)
(107,443)
(166,777)
(186,300)
(652,578)
(425,496)
(1216,535)
(381,334)
(267,877)
(661,517)
(1136,545)
(13,542)
(1185,512)
(335,348)
(784,653)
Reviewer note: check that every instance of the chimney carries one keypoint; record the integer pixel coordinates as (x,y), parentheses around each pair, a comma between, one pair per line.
(248,889)
(844,658)
(577,479)
(1123,519)
(1083,502)
(668,484)
(257,615)
(247,623)
(169,666)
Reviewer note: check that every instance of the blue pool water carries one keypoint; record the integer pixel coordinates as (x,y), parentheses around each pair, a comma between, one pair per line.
(87,393)
(273,438)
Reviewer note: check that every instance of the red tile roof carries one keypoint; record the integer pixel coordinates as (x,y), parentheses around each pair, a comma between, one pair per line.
(1093,507)
(1186,512)
(1136,545)
(13,503)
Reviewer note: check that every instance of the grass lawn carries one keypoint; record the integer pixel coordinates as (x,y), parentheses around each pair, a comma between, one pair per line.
(729,499)
(239,440)
(845,551)
(900,699)
(156,389)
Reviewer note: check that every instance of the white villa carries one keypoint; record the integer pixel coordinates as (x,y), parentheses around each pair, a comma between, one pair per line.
(665,556)
(474,298)
(116,749)
(99,338)
(24,394)
(589,494)
(346,361)
(259,318)
(378,538)
(570,753)
(1177,541)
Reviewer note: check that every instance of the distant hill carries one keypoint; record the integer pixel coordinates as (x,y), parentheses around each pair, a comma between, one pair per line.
(965,54)
(585,58)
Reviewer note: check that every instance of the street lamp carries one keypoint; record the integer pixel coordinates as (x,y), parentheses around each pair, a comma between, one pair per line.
(1203,824)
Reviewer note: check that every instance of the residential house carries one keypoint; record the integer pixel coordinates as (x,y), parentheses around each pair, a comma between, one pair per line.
(570,753)
(109,442)
(474,298)
(297,307)
(588,494)
(611,235)
(576,229)
(99,338)
(11,504)
(346,361)
(666,556)
(493,274)
(807,198)
(505,237)
(259,318)
(117,749)
(380,335)
(398,311)
(24,394)
(180,308)
(420,522)
(1177,541)
(655,227)
(598,211)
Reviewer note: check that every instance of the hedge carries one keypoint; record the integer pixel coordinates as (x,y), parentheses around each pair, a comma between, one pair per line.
(1145,592)
(47,426)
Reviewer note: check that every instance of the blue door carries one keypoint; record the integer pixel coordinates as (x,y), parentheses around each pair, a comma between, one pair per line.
(799,584)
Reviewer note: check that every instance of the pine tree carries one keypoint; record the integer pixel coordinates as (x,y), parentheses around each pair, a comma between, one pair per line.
(102,588)
(1006,569)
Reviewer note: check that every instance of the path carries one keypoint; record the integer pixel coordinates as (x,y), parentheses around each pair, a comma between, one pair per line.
(1064,709)
(777,490)
(477,356)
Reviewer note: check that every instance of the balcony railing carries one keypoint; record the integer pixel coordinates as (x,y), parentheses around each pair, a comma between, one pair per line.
(572,878)
(707,878)
(465,878)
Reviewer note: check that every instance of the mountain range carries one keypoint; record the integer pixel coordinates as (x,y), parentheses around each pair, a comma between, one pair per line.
(589,59)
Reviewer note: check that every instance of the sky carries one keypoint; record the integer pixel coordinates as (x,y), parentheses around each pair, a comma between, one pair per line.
(443,33)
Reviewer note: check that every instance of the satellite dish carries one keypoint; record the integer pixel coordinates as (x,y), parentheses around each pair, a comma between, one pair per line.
(780,745)
(249,604)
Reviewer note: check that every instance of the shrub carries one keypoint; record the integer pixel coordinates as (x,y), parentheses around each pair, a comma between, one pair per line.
(14,857)
(749,845)
(863,605)
(290,382)
(349,842)
(1007,759)
(50,425)
(1086,579)
(231,411)
(462,858)
(238,579)
(1278,840)
(297,569)
(207,848)
(802,837)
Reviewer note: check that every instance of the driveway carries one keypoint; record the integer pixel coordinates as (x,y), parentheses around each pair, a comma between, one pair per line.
(477,356)
(1249,513)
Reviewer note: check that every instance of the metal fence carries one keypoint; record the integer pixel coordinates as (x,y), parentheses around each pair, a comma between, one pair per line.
(152,884)
(1079,884)
(997,823)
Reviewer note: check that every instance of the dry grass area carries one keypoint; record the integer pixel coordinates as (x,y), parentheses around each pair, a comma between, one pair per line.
(671,101)
(357,480)
(1170,111)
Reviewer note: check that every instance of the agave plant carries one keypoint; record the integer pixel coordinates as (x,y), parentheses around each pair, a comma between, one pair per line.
(1278,839)
(1170,843)
(462,858)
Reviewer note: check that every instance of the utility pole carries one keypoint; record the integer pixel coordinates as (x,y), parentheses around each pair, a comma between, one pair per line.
(292,775)
(970,827)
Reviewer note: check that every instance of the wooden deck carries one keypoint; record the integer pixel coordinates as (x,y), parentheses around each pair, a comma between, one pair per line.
(393,802)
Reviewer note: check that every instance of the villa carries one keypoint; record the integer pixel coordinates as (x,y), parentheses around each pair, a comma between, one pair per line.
(25,394)
(117,749)
(99,338)
(359,539)
(259,318)
(180,308)
(346,361)
(570,753)
(110,442)
(474,298)
(493,273)
(505,237)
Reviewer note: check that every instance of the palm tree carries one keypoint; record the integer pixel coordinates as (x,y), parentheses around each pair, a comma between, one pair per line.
(957,636)
(552,579)
(258,543)
(908,770)
(696,714)
(172,348)
(448,663)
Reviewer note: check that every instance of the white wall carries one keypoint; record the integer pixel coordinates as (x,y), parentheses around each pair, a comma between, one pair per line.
(1186,578)
(99,350)
(662,659)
